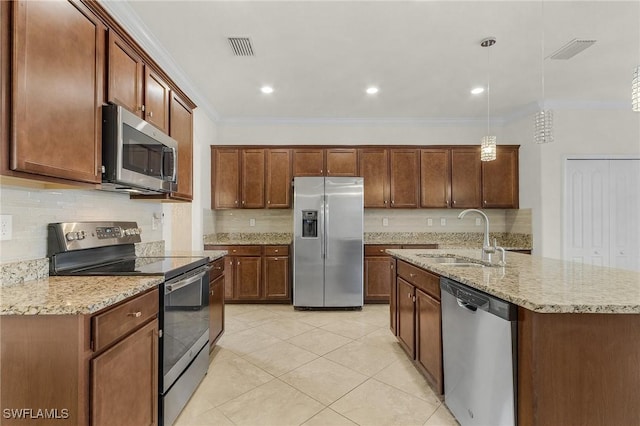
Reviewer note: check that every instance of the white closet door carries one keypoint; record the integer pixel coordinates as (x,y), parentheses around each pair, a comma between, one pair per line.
(625,214)
(587,215)
(602,217)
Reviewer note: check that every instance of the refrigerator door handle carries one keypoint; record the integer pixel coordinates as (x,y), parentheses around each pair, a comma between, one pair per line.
(323,234)
(326,226)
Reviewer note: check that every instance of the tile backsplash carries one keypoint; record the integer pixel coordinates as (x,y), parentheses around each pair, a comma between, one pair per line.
(400,220)
(32,209)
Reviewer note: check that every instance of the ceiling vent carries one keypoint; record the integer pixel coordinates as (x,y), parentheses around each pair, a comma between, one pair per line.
(571,49)
(241,46)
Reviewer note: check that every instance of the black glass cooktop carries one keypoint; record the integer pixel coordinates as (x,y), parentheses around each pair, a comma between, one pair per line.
(167,266)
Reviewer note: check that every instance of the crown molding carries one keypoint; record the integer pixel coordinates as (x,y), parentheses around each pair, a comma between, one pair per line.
(131,22)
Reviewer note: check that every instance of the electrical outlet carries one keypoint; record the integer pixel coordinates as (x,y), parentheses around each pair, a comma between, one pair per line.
(478,221)
(385,221)
(429,221)
(443,221)
(5,227)
(252,222)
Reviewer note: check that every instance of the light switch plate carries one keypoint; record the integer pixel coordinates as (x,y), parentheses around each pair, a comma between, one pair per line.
(443,221)
(385,221)
(429,221)
(252,222)
(6,227)
(478,221)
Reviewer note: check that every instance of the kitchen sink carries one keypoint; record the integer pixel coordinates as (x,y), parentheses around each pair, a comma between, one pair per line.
(450,261)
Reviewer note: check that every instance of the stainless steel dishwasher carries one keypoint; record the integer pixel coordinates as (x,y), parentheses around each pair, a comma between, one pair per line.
(479,355)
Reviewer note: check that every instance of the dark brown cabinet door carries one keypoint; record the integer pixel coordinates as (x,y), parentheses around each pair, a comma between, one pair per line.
(58,81)
(406,316)
(216,309)
(429,346)
(248,277)
(126,75)
(374,168)
(308,162)
(405,177)
(500,179)
(276,277)
(466,189)
(435,178)
(156,100)
(278,182)
(124,381)
(229,277)
(225,178)
(378,276)
(253,166)
(342,162)
(181,129)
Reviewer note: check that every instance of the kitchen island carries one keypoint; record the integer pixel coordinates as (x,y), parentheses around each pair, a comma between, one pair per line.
(578,344)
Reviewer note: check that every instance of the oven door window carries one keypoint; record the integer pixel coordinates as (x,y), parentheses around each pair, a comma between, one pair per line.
(186,319)
(144,155)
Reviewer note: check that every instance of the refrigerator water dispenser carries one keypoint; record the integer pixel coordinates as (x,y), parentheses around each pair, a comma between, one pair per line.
(309,224)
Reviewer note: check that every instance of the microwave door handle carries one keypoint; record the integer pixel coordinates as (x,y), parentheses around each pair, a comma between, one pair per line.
(175,164)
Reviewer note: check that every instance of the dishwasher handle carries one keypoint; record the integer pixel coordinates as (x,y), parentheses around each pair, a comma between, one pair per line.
(466,305)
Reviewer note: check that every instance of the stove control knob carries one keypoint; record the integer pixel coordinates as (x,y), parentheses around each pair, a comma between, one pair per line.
(128,232)
(71,236)
(138,231)
(81,235)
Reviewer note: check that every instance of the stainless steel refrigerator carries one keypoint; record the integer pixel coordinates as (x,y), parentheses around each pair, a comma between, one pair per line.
(327,242)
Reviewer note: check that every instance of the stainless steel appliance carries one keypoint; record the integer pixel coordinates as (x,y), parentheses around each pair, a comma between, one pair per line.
(479,354)
(327,244)
(137,157)
(107,248)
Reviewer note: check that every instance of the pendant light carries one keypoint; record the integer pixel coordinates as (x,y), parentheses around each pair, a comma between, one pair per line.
(488,142)
(543,120)
(635,91)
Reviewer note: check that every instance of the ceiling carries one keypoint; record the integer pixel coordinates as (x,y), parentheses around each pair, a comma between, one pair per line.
(424,56)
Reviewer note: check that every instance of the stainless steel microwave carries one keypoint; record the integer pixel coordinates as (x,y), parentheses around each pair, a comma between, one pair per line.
(136,156)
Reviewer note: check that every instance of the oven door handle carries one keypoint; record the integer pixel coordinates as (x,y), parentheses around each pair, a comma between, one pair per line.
(170,288)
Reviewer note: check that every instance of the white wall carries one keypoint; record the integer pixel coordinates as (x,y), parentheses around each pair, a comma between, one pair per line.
(576,132)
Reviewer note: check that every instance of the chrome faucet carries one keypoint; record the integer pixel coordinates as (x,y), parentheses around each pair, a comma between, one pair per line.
(487,249)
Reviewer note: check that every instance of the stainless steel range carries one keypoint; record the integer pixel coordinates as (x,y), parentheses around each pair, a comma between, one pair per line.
(107,248)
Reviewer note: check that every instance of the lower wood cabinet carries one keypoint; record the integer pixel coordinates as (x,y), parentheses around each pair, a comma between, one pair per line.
(59,362)
(256,273)
(418,320)
(216,301)
(379,273)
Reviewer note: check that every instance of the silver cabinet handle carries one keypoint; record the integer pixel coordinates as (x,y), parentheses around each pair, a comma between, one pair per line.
(150,113)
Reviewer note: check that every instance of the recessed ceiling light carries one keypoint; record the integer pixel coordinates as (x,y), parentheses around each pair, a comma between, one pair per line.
(477,90)
(372,90)
(266,89)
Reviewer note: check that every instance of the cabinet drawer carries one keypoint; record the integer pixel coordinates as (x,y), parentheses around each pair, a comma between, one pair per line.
(242,250)
(276,250)
(217,268)
(378,249)
(117,322)
(429,283)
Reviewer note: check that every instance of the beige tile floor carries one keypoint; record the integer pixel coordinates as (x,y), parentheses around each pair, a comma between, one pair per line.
(275,366)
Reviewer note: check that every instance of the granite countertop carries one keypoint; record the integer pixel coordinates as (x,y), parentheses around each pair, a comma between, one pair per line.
(58,295)
(541,284)
(249,238)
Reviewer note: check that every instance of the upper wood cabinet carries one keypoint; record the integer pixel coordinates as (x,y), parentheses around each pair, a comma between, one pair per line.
(225,178)
(126,75)
(374,168)
(278,181)
(181,129)
(238,177)
(404,177)
(466,184)
(342,161)
(435,178)
(308,162)
(135,85)
(500,179)
(253,168)
(58,85)
(156,100)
